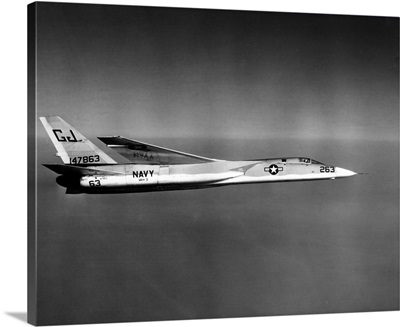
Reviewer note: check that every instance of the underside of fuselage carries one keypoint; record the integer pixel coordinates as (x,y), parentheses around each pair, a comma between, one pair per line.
(76,189)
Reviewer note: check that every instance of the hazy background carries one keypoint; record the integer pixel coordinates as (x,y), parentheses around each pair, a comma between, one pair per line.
(228,85)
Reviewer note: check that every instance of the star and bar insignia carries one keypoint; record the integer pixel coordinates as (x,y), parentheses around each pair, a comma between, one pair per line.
(274,169)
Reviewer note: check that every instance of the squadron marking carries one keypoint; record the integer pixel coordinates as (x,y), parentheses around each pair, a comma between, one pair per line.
(61,138)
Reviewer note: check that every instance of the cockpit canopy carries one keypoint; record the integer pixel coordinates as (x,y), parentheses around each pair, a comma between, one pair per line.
(301,160)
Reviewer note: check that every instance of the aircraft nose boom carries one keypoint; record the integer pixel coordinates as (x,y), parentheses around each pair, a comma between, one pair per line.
(341,172)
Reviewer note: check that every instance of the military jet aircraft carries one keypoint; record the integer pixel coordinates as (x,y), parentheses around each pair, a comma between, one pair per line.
(87,169)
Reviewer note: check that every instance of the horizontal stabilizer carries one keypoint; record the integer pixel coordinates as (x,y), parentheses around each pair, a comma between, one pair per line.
(80,171)
(145,153)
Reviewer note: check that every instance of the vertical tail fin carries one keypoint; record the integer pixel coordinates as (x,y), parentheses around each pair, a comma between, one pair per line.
(72,147)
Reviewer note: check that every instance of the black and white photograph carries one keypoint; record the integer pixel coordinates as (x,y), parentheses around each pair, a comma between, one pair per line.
(202,163)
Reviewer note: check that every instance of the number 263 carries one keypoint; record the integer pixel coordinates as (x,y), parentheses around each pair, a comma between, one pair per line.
(327,169)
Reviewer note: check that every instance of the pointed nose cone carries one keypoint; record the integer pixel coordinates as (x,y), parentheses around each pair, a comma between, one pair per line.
(341,172)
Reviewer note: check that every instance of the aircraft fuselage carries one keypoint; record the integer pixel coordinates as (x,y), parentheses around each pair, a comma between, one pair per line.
(142,178)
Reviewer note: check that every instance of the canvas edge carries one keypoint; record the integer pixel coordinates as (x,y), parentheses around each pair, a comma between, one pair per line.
(31,158)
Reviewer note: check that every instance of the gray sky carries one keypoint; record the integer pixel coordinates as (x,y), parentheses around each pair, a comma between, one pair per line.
(159,73)
(225,85)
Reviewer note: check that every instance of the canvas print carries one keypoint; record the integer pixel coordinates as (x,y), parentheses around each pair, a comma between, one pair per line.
(196,163)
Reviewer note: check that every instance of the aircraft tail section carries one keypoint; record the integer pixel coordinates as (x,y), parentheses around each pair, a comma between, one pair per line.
(72,147)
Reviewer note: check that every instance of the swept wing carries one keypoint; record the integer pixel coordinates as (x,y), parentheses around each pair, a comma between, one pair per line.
(145,153)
